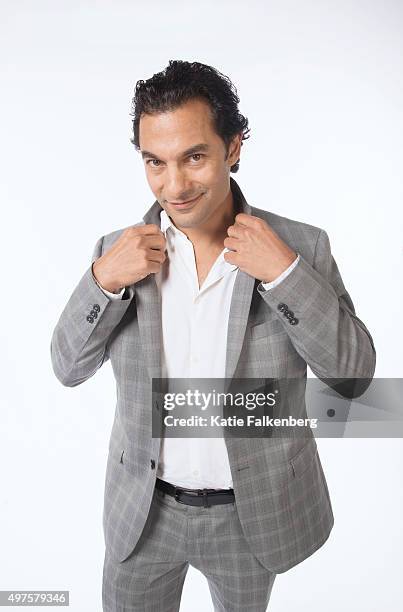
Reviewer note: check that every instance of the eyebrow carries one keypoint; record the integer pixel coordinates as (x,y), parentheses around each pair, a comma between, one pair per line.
(195,149)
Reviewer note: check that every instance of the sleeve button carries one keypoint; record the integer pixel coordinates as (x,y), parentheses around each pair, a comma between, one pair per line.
(90,319)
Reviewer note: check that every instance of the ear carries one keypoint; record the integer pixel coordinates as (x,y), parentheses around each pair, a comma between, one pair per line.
(234,149)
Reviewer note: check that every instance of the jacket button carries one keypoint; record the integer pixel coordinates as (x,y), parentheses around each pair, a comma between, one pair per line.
(90,319)
(152,464)
(96,307)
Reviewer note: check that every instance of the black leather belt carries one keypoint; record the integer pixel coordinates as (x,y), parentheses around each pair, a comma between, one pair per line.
(196,497)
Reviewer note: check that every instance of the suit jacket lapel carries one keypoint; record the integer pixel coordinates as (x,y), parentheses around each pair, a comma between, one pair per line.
(148,302)
(149,316)
(241,298)
(238,318)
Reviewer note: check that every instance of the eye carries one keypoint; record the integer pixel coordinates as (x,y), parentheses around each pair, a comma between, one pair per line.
(155,163)
(153,160)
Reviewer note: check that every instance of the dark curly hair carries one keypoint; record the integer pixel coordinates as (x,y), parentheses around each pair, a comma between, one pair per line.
(181,81)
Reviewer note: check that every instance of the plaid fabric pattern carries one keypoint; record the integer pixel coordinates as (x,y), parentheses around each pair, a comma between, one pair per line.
(282,497)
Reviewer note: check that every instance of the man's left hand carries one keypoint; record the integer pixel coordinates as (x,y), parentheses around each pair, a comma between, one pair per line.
(256,248)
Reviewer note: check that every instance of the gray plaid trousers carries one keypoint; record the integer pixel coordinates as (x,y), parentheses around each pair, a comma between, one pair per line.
(176,536)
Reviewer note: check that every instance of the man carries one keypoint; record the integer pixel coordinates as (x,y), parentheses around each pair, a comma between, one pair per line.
(206,286)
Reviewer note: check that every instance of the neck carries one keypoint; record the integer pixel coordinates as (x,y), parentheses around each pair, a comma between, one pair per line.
(213,232)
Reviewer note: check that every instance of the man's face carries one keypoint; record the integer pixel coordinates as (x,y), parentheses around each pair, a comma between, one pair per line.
(185,160)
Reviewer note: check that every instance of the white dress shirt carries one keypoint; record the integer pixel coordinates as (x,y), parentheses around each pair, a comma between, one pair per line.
(194,331)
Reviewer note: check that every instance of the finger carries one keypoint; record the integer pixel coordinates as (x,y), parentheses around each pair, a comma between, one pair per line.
(243,219)
(154,267)
(231,257)
(147,229)
(247,220)
(235,231)
(155,255)
(155,241)
(232,243)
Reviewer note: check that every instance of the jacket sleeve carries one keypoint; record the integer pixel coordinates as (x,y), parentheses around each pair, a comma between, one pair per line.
(319,316)
(79,341)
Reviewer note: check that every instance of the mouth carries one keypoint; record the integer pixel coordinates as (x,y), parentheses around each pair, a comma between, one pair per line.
(183,205)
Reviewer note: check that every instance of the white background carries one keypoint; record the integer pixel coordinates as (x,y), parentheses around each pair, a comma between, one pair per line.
(321,84)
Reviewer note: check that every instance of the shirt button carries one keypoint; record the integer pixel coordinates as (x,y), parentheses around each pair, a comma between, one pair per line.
(195,473)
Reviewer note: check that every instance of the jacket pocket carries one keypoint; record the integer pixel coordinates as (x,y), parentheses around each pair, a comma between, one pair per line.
(303,459)
(266,329)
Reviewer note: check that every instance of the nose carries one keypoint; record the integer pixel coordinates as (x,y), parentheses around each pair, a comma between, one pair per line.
(177,188)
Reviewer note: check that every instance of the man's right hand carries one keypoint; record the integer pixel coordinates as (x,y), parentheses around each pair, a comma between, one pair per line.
(138,252)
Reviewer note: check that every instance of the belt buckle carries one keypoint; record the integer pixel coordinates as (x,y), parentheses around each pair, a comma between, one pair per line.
(176,495)
(180,490)
(205,498)
(190,492)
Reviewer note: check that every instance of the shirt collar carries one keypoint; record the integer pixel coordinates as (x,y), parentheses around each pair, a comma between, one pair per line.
(165,222)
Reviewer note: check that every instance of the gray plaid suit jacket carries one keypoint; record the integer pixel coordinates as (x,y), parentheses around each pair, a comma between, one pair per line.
(281,493)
